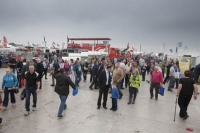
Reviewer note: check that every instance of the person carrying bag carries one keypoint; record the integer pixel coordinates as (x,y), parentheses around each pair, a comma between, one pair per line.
(9,82)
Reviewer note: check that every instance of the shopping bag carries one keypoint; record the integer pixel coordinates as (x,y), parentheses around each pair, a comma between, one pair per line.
(75,92)
(23,94)
(22,82)
(161,91)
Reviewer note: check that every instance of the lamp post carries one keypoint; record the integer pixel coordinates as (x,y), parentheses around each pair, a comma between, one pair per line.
(140,47)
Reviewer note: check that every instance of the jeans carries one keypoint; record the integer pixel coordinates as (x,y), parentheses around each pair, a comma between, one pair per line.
(63,104)
(94,82)
(114,103)
(85,75)
(166,78)
(171,82)
(77,79)
(19,77)
(53,80)
(6,94)
(177,82)
(126,80)
(45,72)
(29,91)
(143,75)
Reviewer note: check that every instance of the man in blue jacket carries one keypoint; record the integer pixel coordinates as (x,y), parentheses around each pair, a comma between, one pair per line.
(77,73)
(94,75)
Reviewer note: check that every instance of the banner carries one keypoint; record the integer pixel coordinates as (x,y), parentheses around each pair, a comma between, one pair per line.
(184,64)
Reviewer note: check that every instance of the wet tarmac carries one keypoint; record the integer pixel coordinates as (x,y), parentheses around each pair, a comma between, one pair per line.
(145,116)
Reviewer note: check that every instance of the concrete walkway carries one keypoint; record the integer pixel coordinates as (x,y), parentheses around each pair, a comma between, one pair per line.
(82,116)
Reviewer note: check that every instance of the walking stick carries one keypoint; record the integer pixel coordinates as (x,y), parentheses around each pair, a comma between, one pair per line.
(175,108)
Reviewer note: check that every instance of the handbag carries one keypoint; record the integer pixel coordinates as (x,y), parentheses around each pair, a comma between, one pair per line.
(85,68)
(22,81)
(16,90)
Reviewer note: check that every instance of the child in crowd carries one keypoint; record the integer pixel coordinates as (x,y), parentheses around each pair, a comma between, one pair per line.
(115,96)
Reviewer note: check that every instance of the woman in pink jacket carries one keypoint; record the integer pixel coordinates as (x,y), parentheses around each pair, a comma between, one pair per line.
(156,81)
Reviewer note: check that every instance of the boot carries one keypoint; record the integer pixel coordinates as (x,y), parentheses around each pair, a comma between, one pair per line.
(130,98)
(134,100)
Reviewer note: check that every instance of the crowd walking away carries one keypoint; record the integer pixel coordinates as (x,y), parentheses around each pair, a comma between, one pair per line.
(116,76)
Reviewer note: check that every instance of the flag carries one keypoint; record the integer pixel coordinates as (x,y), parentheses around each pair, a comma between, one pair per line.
(133,48)
(179,44)
(58,45)
(45,42)
(128,46)
(105,42)
(186,47)
(176,49)
(53,44)
(63,44)
(28,43)
(171,50)
(4,41)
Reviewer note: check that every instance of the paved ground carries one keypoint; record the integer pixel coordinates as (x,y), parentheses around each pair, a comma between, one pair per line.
(82,116)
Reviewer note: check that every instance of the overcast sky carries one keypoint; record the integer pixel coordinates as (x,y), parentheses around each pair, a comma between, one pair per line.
(149,23)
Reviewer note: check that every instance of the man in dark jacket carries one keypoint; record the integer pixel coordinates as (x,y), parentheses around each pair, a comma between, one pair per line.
(62,89)
(12,64)
(196,73)
(25,68)
(40,70)
(104,84)
(168,72)
(85,70)
(19,69)
(94,75)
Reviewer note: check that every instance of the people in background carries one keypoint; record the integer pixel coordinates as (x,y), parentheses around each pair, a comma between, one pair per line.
(196,73)
(128,67)
(19,69)
(171,77)
(177,75)
(94,75)
(12,64)
(77,73)
(45,64)
(40,70)
(85,70)
(55,68)
(118,75)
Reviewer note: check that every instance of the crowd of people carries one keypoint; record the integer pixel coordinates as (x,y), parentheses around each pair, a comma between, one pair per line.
(105,74)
